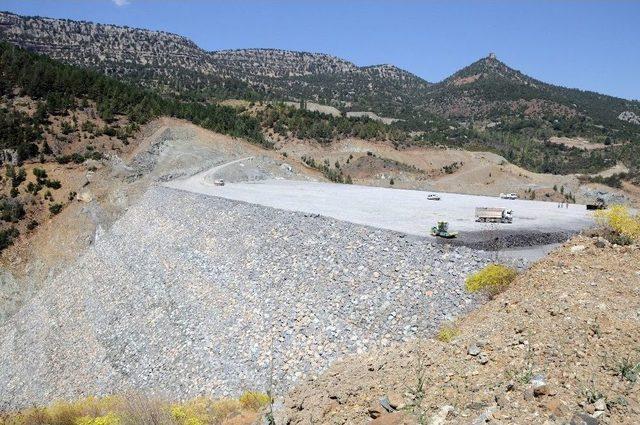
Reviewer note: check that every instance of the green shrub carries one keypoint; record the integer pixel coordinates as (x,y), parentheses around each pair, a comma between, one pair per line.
(7,237)
(11,210)
(34,188)
(55,208)
(40,174)
(53,184)
(491,280)
(17,176)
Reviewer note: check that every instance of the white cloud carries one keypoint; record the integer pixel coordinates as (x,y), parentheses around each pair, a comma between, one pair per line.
(121,2)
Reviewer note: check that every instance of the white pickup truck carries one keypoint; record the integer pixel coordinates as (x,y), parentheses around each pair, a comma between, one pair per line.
(494,215)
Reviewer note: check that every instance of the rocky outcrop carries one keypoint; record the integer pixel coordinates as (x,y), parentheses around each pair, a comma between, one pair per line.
(629,116)
(148,55)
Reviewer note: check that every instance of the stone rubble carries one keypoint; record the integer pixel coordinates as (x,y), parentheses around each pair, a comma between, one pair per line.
(189,294)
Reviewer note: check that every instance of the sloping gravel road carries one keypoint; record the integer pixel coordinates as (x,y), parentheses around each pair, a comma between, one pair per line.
(189,294)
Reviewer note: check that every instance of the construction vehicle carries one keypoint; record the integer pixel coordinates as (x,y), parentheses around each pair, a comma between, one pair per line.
(442,230)
(599,205)
(494,215)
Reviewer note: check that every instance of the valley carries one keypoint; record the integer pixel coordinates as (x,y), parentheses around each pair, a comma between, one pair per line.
(245,236)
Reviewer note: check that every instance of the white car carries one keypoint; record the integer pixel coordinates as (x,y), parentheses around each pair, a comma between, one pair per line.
(433,197)
(508,196)
(218,182)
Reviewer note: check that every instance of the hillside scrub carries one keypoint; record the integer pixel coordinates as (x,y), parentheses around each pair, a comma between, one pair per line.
(134,409)
(335,175)
(491,280)
(62,87)
(324,128)
(7,237)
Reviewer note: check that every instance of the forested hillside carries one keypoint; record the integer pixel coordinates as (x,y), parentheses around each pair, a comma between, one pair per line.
(490,90)
(56,113)
(485,106)
(58,88)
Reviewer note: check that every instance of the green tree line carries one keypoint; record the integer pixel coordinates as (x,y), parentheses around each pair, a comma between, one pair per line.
(61,87)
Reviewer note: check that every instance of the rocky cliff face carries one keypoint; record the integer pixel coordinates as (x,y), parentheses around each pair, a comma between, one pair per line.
(280,63)
(629,116)
(101,46)
(159,58)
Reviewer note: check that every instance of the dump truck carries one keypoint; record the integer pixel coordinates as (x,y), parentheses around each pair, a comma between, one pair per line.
(494,215)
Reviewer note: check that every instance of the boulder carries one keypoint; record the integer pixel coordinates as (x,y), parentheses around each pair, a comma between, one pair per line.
(441,416)
(473,350)
(601,242)
(85,197)
(583,419)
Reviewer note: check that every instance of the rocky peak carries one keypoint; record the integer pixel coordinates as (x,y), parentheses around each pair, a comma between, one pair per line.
(488,67)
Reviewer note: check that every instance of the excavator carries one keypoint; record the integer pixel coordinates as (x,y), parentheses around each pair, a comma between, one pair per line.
(442,230)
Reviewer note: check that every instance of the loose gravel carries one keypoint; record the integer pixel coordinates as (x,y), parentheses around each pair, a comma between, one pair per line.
(190,294)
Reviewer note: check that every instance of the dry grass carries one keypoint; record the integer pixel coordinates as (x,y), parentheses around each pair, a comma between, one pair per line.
(448,331)
(137,409)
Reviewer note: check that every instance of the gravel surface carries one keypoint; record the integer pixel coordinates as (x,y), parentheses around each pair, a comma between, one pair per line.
(189,294)
(408,211)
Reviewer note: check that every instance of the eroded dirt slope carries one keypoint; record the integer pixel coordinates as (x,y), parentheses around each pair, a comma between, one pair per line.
(446,170)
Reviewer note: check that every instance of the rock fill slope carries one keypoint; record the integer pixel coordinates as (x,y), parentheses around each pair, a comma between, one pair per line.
(188,294)
(560,346)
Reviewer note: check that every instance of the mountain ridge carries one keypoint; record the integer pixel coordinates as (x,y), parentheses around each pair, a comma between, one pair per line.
(18,26)
(486,105)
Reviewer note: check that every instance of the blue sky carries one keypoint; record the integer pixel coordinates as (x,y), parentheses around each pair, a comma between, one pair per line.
(592,45)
